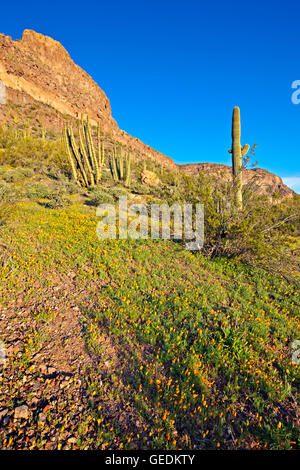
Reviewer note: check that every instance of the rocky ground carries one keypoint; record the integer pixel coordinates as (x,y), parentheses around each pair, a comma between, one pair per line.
(43,396)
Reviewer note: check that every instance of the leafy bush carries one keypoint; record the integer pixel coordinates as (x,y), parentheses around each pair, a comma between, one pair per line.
(37,191)
(257,235)
(70,187)
(58,200)
(26,150)
(13,175)
(8,194)
(117,192)
(106,174)
(140,188)
(98,196)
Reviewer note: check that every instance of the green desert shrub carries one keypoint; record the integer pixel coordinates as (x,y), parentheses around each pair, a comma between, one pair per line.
(25,150)
(99,196)
(140,188)
(9,194)
(69,187)
(37,191)
(8,197)
(27,172)
(4,213)
(117,192)
(64,186)
(257,235)
(106,175)
(14,175)
(58,200)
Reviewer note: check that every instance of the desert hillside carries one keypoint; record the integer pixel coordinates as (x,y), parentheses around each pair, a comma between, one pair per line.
(116,343)
(37,69)
(38,72)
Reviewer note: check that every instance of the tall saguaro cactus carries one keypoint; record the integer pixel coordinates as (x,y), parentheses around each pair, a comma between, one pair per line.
(237,152)
(85,161)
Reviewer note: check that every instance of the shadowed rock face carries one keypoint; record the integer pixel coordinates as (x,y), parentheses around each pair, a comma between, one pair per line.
(37,70)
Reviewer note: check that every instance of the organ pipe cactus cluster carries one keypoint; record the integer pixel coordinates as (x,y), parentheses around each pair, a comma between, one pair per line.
(120,167)
(237,152)
(85,161)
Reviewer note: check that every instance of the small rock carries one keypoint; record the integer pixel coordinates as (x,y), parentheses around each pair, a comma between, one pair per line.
(3,413)
(42,418)
(21,412)
(43,369)
(64,384)
(149,178)
(6,420)
(51,370)
(72,440)
(49,446)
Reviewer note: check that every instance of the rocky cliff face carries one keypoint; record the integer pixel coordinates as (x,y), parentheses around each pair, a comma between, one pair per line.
(37,70)
(40,67)
(40,76)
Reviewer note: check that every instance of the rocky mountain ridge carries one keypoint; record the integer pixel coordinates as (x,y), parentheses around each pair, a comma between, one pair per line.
(38,72)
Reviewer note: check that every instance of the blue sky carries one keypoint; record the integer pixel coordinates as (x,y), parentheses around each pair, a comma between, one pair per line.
(174,70)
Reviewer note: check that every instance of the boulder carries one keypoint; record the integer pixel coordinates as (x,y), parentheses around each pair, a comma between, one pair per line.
(150,179)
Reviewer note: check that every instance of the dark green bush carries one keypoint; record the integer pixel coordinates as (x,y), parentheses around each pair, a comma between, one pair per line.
(70,187)
(99,196)
(9,194)
(140,188)
(117,192)
(14,175)
(37,191)
(58,200)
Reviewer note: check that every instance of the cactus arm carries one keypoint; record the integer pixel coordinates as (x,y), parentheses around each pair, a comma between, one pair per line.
(114,165)
(91,151)
(128,171)
(121,164)
(111,165)
(101,153)
(245,149)
(78,156)
(69,153)
(85,156)
(99,144)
